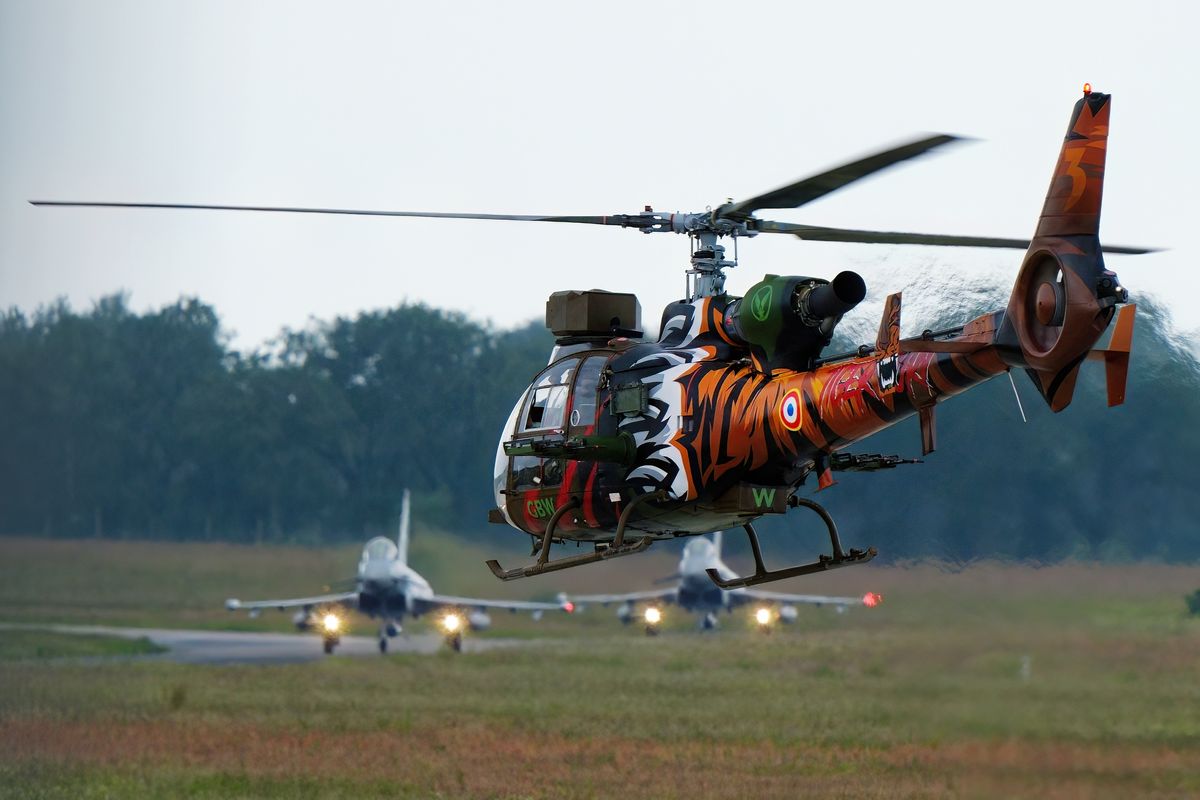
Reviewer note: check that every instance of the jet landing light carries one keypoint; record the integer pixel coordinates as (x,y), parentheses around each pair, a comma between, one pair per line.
(331,623)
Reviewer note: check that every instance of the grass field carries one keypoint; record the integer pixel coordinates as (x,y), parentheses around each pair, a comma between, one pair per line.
(22,645)
(991,681)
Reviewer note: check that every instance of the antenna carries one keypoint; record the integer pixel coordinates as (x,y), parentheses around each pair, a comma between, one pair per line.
(1017,395)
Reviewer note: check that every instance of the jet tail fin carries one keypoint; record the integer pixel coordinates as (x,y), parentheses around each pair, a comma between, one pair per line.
(402,536)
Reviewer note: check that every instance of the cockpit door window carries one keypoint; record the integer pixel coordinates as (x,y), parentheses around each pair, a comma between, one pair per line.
(584,396)
(548,398)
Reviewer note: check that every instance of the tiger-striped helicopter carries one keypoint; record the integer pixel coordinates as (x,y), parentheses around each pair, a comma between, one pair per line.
(620,442)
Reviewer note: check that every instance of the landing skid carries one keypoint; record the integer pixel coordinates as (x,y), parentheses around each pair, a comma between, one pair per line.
(823,562)
(616,549)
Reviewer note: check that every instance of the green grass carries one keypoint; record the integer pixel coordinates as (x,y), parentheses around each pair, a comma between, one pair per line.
(841,688)
(1106,718)
(924,696)
(18,645)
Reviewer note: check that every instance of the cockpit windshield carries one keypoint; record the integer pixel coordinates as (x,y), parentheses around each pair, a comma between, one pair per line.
(380,548)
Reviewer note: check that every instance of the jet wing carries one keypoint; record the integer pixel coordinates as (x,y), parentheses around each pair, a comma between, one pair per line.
(666,595)
(437,601)
(750,595)
(348,598)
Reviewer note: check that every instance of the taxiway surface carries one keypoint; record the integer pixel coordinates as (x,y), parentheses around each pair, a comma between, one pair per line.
(230,647)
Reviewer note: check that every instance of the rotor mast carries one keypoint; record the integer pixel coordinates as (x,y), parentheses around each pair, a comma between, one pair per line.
(706,278)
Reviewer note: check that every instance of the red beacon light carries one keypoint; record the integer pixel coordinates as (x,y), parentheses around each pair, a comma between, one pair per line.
(1087,89)
(569,607)
(870,599)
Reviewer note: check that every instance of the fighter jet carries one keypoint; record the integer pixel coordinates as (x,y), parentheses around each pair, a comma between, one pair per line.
(695,592)
(387,588)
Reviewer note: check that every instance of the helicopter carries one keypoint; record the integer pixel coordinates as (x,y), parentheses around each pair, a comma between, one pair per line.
(620,442)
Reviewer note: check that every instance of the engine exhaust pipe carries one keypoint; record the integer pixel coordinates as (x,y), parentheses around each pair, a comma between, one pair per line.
(835,298)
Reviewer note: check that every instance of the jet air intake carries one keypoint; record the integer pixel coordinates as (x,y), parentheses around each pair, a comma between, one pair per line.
(787,321)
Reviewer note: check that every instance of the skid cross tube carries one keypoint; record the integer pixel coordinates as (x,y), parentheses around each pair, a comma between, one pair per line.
(617,548)
(761,574)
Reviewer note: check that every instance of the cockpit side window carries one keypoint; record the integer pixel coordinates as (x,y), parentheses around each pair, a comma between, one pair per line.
(548,398)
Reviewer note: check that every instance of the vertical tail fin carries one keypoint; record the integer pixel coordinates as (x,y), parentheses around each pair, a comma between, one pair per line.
(1072,206)
(1064,297)
(402,536)
(887,341)
(717,537)
(887,347)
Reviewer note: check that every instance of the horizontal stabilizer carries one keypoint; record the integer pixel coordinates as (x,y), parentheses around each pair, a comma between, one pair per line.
(1116,355)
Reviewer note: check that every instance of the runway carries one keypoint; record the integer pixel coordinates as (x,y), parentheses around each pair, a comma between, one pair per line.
(235,647)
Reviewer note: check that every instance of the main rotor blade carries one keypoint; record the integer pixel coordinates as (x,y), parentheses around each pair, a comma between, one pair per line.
(623,220)
(819,234)
(805,191)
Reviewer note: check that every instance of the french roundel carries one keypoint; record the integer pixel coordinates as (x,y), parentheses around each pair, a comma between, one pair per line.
(789,410)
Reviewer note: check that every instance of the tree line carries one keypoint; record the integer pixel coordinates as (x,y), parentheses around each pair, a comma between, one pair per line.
(148,425)
(120,424)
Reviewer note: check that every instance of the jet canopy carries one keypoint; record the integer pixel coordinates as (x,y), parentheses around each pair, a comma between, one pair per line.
(380,548)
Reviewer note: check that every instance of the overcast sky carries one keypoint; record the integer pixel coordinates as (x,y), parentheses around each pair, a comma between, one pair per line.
(561,108)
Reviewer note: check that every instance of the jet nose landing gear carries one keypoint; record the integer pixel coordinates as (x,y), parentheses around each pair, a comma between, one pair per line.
(387,631)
